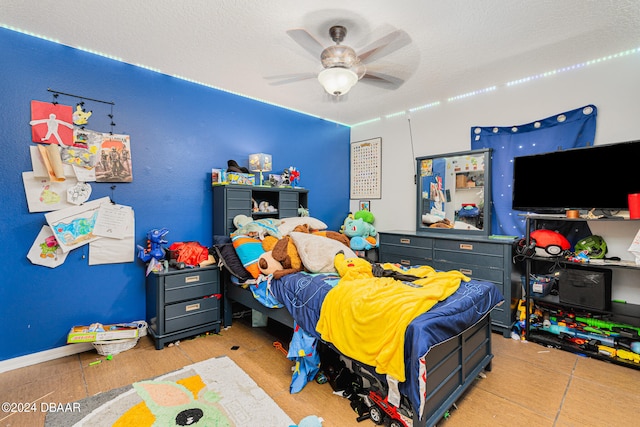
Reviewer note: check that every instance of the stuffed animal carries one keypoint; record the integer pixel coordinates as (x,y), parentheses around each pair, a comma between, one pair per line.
(294,176)
(302,211)
(359,228)
(286,177)
(443,223)
(352,268)
(365,215)
(247,226)
(264,206)
(304,228)
(282,251)
(333,235)
(359,243)
(268,264)
(310,421)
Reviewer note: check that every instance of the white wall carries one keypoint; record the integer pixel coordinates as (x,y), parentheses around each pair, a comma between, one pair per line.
(613,86)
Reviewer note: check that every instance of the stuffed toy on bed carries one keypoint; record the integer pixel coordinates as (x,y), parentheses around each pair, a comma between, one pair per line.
(280,258)
(259,228)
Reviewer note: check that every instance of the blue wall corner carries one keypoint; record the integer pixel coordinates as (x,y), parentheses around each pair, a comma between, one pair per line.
(179,132)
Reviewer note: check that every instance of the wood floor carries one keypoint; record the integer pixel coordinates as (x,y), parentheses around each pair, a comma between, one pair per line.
(529,385)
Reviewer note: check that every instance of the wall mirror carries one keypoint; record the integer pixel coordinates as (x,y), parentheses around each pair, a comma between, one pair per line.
(454,193)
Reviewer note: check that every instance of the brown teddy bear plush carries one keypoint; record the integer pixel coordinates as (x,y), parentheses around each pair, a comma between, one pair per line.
(279,253)
(304,228)
(444,223)
(267,264)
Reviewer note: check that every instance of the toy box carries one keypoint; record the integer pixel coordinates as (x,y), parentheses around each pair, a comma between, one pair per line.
(540,285)
(241,178)
(586,287)
(110,332)
(224,177)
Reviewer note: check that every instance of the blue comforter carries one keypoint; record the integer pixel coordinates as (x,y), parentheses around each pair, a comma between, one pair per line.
(303,294)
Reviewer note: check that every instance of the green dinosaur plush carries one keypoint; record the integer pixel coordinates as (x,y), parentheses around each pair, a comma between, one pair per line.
(365,215)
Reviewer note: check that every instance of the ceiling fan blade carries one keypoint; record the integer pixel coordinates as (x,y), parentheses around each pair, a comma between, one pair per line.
(284,79)
(307,41)
(384,46)
(383,80)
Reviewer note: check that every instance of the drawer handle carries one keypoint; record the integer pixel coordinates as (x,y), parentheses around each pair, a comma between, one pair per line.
(192,307)
(191,279)
(405,241)
(466,246)
(466,271)
(405,262)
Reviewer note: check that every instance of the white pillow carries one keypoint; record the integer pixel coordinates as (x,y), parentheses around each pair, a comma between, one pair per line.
(288,224)
(318,252)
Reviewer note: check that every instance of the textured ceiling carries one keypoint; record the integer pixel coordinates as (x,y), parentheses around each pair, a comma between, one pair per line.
(454,47)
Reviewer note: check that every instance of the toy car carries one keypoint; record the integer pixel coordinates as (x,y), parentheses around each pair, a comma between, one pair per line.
(380,409)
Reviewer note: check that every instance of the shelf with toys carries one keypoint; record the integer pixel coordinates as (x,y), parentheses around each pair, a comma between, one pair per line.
(568,301)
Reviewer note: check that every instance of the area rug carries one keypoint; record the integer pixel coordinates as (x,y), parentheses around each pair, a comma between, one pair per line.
(215,392)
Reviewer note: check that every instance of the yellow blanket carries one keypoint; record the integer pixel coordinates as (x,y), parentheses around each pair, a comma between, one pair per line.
(366,318)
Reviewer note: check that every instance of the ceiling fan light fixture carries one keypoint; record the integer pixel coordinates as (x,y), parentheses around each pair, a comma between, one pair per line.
(337,80)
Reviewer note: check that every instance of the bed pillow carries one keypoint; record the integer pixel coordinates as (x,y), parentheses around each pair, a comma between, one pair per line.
(288,224)
(228,257)
(318,252)
(249,250)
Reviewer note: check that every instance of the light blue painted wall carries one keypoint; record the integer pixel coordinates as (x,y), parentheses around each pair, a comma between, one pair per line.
(179,131)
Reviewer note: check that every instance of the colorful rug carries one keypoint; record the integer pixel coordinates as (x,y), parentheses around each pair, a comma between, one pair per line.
(215,392)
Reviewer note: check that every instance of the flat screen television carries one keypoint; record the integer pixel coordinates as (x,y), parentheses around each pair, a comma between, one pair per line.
(598,177)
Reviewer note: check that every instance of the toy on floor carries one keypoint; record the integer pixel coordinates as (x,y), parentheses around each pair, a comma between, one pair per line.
(309,421)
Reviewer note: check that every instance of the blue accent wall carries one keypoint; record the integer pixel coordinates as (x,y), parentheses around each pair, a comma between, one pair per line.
(179,131)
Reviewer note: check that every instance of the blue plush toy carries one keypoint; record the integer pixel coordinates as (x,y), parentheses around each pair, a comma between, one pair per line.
(310,421)
(358,243)
(358,227)
(361,234)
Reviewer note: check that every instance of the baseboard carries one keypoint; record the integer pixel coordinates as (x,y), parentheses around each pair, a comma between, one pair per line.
(43,356)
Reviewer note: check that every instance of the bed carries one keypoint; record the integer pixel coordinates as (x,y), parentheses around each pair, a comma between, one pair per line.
(445,348)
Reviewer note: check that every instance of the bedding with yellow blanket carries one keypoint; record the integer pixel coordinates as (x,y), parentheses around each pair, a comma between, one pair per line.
(365,318)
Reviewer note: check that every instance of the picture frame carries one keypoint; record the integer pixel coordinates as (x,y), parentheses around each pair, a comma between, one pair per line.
(366,169)
(365,205)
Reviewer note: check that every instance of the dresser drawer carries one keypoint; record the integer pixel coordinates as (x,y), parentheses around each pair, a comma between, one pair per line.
(468,247)
(406,260)
(474,271)
(189,285)
(406,240)
(469,253)
(187,314)
(406,256)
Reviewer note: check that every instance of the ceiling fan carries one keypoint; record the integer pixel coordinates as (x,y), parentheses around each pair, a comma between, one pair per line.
(342,66)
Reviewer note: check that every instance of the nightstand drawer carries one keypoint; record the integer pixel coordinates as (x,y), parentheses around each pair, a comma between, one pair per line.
(191,284)
(184,315)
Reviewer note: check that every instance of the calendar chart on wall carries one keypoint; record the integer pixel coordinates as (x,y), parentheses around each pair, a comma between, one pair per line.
(366,169)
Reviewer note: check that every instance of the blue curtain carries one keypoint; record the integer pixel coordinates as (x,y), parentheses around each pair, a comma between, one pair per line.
(571,129)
